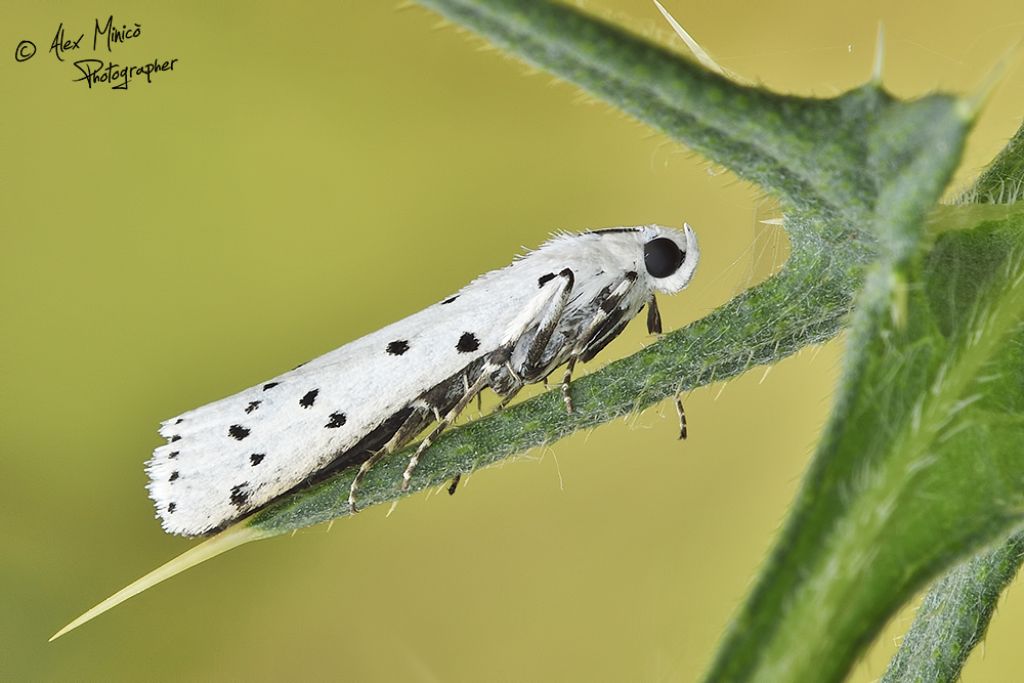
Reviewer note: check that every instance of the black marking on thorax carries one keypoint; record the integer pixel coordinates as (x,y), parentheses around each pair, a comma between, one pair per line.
(611,231)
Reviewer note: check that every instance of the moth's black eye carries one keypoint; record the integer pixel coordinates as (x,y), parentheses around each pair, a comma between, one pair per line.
(662,257)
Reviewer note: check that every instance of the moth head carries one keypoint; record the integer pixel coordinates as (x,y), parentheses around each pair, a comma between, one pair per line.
(670,257)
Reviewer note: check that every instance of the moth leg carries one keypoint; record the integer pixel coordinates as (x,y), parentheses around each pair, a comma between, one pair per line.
(546,327)
(653,316)
(507,398)
(682,417)
(363,469)
(610,303)
(443,423)
(409,429)
(566,379)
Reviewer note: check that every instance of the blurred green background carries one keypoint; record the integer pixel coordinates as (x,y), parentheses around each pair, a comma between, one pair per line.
(311,172)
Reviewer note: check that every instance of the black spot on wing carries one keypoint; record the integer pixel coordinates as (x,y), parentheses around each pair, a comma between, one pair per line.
(373,442)
(398,347)
(172,455)
(468,343)
(240,494)
(544,279)
(257,458)
(309,399)
(179,420)
(175,438)
(270,385)
(253,405)
(171,507)
(449,299)
(337,420)
(238,432)
(174,476)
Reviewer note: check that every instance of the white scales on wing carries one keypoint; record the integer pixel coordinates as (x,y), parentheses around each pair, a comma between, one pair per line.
(558,304)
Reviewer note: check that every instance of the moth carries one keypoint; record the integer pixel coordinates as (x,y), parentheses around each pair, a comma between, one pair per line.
(557,305)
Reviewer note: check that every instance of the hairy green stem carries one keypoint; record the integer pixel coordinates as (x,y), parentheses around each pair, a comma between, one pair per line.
(1002,182)
(835,574)
(770,139)
(954,616)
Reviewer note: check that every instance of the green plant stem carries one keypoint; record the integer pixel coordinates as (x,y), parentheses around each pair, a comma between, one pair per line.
(843,562)
(770,139)
(954,616)
(1002,182)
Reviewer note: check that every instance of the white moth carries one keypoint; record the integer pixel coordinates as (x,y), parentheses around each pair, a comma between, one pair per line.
(557,305)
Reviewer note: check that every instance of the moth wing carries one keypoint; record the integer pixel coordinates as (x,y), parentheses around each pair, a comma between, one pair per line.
(230,457)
